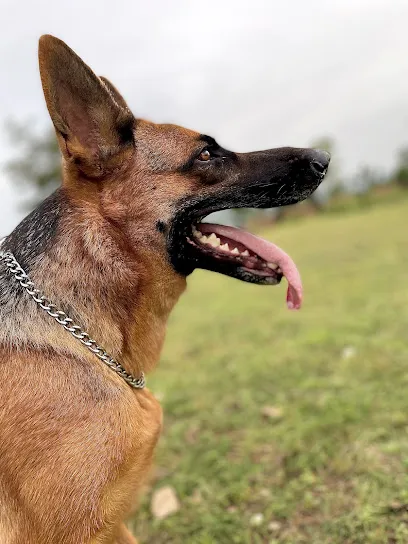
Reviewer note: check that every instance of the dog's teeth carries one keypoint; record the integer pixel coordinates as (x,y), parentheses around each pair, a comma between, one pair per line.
(197,233)
(225,247)
(272,265)
(235,251)
(211,240)
(245,253)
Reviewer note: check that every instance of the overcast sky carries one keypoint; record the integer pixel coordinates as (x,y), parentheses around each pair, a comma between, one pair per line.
(254,74)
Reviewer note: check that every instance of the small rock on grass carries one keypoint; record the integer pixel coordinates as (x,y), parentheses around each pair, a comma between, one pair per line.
(348,352)
(272,412)
(164,502)
(266,493)
(274,526)
(256,520)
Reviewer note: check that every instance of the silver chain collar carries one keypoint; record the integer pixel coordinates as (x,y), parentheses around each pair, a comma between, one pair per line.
(61,317)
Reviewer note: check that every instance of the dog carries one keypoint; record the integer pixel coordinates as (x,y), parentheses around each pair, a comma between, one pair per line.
(111,250)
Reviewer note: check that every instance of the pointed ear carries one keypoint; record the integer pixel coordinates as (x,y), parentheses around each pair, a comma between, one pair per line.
(94,126)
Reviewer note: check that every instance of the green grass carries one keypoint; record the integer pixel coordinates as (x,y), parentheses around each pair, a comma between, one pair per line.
(333,467)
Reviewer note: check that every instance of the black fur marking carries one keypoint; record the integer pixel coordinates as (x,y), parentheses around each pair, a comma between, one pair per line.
(208,139)
(161,226)
(188,164)
(35,233)
(125,131)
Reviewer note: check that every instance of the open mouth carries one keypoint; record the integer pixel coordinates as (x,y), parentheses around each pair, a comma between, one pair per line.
(264,179)
(246,256)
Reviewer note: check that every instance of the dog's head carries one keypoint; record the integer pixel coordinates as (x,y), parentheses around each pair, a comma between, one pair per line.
(155,183)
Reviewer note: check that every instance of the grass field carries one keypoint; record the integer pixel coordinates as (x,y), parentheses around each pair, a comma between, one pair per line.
(330,462)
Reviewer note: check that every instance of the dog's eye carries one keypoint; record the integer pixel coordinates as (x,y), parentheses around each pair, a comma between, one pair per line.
(204,155)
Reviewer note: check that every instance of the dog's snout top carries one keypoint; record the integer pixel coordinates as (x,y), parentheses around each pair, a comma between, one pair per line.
(319,160)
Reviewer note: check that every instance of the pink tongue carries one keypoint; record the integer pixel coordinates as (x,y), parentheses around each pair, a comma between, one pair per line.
(268,252)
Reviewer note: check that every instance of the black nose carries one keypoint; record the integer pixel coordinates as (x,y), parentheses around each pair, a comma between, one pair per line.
(319,160)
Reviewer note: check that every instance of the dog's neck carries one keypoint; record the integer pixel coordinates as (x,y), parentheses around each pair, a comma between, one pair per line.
(122,299)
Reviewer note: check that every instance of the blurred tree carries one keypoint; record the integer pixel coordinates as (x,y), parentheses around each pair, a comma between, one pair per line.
(363,181)
(332,182)
(365,178)
(401,172)
(38,160)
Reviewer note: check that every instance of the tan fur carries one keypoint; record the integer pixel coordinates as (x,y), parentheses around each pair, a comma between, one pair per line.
(76,442)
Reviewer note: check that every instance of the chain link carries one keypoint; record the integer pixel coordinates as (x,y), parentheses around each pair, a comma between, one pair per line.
(61,317)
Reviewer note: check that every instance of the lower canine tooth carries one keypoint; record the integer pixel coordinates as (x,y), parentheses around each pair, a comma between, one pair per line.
(273,266)
(235,251)
(225,247)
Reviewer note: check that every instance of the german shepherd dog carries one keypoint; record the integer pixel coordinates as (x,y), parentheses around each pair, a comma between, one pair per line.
(112,248)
